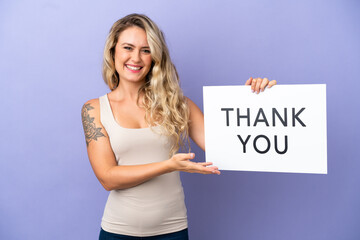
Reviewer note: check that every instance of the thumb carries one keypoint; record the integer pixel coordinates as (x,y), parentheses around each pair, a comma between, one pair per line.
(187,155)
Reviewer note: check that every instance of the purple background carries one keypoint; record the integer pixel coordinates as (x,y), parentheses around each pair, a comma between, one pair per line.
(51,53)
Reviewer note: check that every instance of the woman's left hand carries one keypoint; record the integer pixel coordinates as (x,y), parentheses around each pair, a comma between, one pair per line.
(259,84)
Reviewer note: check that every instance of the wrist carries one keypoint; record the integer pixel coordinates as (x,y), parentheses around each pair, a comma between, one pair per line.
(169,166)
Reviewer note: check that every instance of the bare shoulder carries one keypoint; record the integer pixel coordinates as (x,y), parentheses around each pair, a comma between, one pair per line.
(90,109)
(187,99)
(90,115)
(189,102)
(192,106)
(92,104)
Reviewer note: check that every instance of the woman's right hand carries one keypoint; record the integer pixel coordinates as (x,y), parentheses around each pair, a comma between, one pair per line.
(181,162)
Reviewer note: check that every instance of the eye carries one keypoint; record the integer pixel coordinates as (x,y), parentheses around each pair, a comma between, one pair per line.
(127,48)
(147,51)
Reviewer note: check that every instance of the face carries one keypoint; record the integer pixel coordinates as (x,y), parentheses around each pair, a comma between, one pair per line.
(132,55)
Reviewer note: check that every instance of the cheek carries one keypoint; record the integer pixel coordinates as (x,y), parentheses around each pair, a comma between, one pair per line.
(119,60)
(148,61)
(120,56)
(117,65)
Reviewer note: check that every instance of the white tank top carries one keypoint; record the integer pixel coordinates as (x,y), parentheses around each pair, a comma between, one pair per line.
(153,207)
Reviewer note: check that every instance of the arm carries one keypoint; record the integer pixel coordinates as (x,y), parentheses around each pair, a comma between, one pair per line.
(197,132)
(102,159)
(196,126)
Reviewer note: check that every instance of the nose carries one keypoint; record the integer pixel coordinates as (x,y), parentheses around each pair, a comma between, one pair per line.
(135,57)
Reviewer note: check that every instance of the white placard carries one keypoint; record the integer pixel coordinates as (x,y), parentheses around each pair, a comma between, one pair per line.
(282,129)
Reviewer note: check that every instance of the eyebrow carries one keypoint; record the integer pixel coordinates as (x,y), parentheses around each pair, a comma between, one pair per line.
(132,45)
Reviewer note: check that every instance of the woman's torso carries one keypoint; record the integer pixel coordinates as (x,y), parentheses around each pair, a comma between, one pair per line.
(153,207)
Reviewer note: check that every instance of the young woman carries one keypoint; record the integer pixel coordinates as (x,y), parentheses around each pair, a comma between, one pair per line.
(133,134)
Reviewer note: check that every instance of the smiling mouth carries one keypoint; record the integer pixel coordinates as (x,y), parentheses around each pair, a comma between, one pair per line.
(133,68)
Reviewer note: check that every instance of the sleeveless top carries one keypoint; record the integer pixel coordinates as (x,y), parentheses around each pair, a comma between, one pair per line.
(154,207)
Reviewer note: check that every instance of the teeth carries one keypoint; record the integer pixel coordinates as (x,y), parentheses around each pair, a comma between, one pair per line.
(133,68)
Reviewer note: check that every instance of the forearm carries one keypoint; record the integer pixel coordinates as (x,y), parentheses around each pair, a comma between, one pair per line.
(122,177)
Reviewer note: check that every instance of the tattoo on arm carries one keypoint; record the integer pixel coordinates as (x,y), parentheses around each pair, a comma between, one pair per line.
(90,129)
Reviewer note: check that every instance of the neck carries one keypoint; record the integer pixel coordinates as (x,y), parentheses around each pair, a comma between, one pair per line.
(127,91)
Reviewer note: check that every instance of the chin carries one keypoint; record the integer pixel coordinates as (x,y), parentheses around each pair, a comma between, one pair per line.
(137,80)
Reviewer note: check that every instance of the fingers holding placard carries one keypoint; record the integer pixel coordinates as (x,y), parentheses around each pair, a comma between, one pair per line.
(271,83)
(248,82)
(263,84)
(259,84)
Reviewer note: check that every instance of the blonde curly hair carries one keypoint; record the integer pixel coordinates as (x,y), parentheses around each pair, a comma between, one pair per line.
(163,100)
